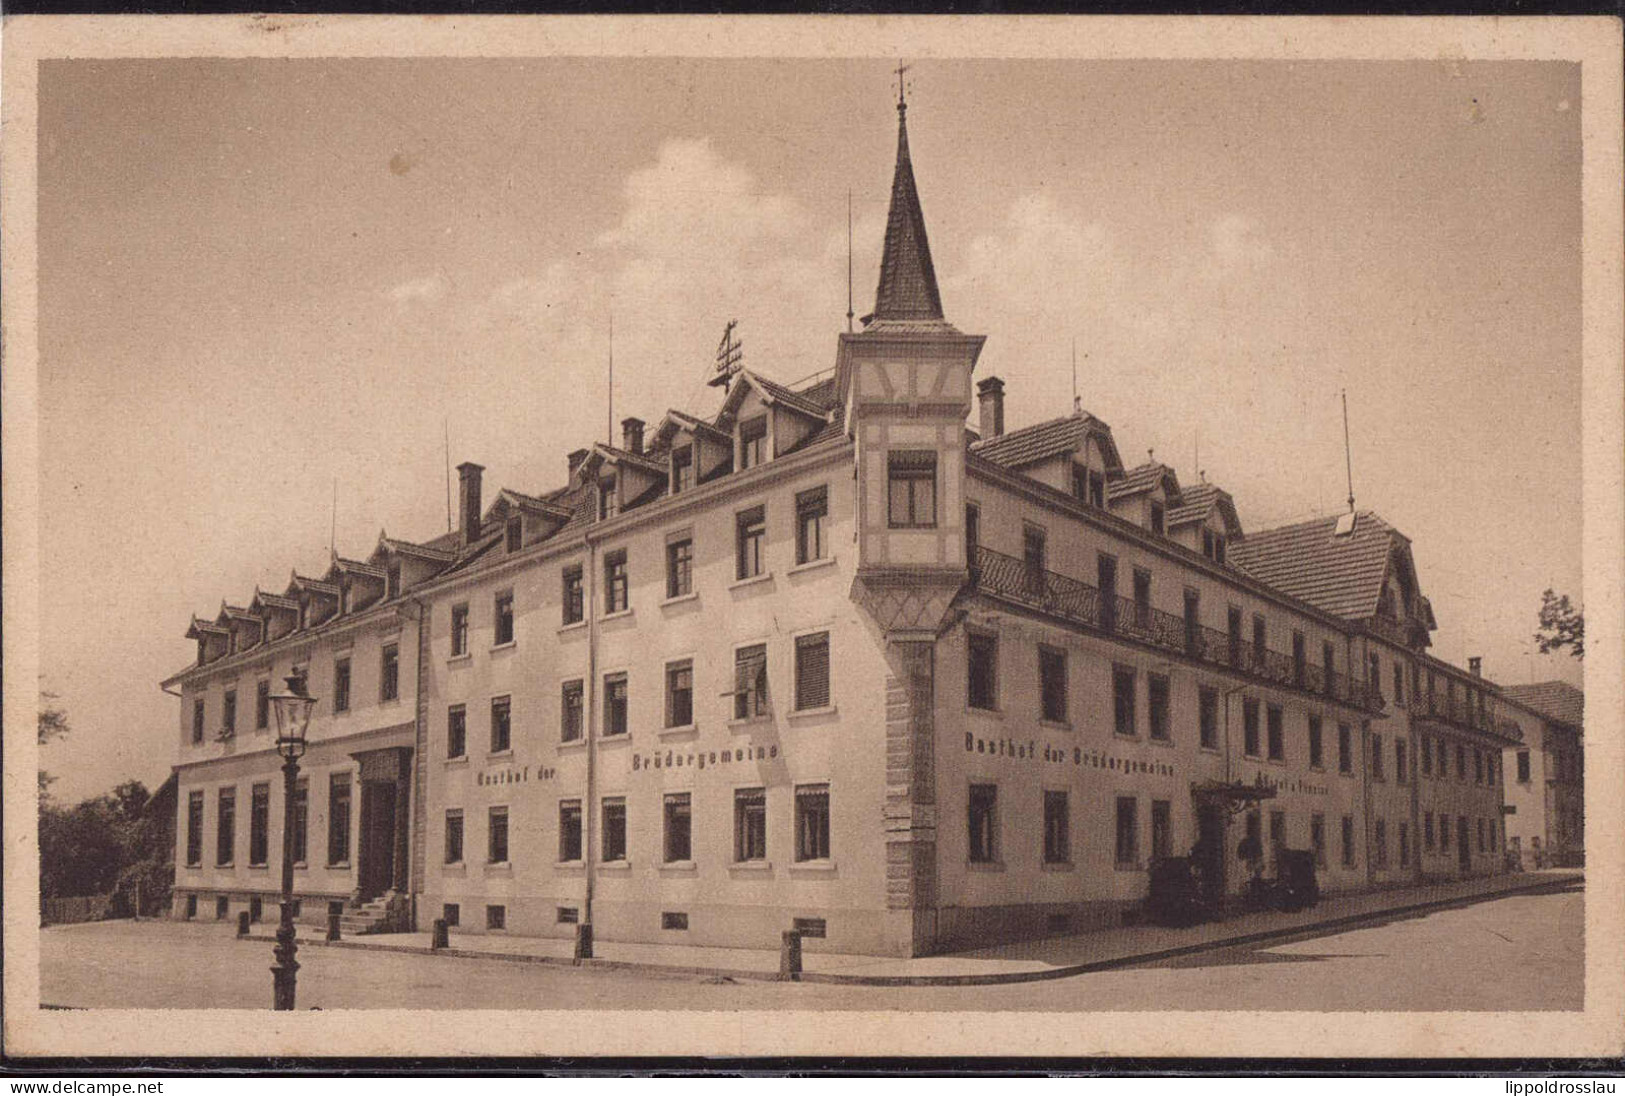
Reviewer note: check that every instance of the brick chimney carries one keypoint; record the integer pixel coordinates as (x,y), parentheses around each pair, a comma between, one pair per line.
(632,435)
(575,460)
(468,498)
(990,394)
(1475,665)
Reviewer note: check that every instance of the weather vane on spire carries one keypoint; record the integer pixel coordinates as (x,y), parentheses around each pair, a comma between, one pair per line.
(902,102)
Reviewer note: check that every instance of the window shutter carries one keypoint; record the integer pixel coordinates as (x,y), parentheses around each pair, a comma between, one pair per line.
(812,671)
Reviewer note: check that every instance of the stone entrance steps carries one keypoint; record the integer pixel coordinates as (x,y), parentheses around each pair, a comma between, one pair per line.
(371,917)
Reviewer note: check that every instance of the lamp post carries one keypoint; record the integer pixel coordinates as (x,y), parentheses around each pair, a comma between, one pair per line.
(292,719)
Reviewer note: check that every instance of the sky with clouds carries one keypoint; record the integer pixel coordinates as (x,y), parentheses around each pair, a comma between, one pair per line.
(260,276)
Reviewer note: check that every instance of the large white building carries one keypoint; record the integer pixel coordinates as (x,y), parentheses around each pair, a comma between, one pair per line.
(829,658)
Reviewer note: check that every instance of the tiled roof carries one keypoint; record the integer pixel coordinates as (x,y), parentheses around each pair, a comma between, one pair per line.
(1557,700)
(792,399)
(1340,575)
(276,601)
(908,281)
(319,585)
(425,551)
(1038,442)
(1143,478)
(356,565)
(1198,500)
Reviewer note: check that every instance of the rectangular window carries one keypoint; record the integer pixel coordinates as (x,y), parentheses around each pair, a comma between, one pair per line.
(570,719)
(608,499)
(454,837)
(225,821)
(301,821)
(1327,653)
(1156,703)
(194,829)
(750,682)
(614,705)
(1317,839)
(1277,832)
(1260,633)
(1399,683)
(983,818)
(1233,622)
(228,714)
(389,674)
(1300,662)
(1249,727)
(615,582)
(456,731)
(341,685)
(496,845)
(1427,830)
(338,819)
(459,630)
(752,442)
(680,567)
(452,914)
(1461,762)
(1052,683)
(567,915)
(1317,756)
(1106,582)
(679,828)
(1345,749)
(1123,721)
(1193,623)
(1478,766)
(501,724)
(496,918)
(574,600)
(1128,832)
(680,694)
(674,920)
(1097,489)
(682,469)
(1375,674)
(504,620)
(1276,721)
(259,825)
(1157,512)
(1057,828)
(1142,598)
(973,532)
(612,843)
(911,477)
(1400,766)
(812,672)
(810,928)
(982,671)
(1425,755)
(1404,845)
(514,534)
(1348,841)
(1523,766)
(1080,483)
(750,824)
(812,525)
(262,705)
(1207,717)
(1489,768)
(569,830)
(812,822)
(1376,758)
(750,539)
(1035,554)
(1162,829)
(1379,843)
(392,581)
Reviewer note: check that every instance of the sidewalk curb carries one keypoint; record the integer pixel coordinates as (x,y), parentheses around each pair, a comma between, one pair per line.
(1010,978)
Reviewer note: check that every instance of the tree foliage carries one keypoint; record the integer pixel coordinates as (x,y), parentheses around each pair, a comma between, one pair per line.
(53,724)
(1561,626)
(106,845)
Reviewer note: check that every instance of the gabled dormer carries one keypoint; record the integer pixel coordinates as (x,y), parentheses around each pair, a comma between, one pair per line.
(247,630)
(1145,495)
(318,599)
(525,519)
(695,451)
(406,564)
(768,420)
(360,584)
(213,640)
(280,614)
(1075,454)
(620,479)
(1205,521)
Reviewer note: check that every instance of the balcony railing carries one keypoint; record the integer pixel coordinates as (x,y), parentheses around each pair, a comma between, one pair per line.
(1457,711)
(1018,582)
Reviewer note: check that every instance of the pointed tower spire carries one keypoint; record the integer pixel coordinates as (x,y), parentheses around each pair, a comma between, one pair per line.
(908,281)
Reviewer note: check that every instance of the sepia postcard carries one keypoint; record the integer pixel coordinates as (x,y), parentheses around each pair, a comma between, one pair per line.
(1020,536)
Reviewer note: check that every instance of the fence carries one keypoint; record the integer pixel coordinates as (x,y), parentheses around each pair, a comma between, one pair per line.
(72,911)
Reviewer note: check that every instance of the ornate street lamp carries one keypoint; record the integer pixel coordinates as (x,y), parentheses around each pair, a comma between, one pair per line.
(292,719)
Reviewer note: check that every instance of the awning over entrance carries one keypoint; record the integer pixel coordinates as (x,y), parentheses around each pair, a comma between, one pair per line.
(1233,794)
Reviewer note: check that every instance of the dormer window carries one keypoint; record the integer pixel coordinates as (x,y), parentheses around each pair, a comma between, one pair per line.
(1097,489)
(1080,483)
(515,533)
(1157,518)
(752,442)
(393,580)
(1213,545)
(606,498)
(682,469)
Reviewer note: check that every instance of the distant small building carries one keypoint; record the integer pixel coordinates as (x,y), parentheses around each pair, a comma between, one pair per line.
(1545,786)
